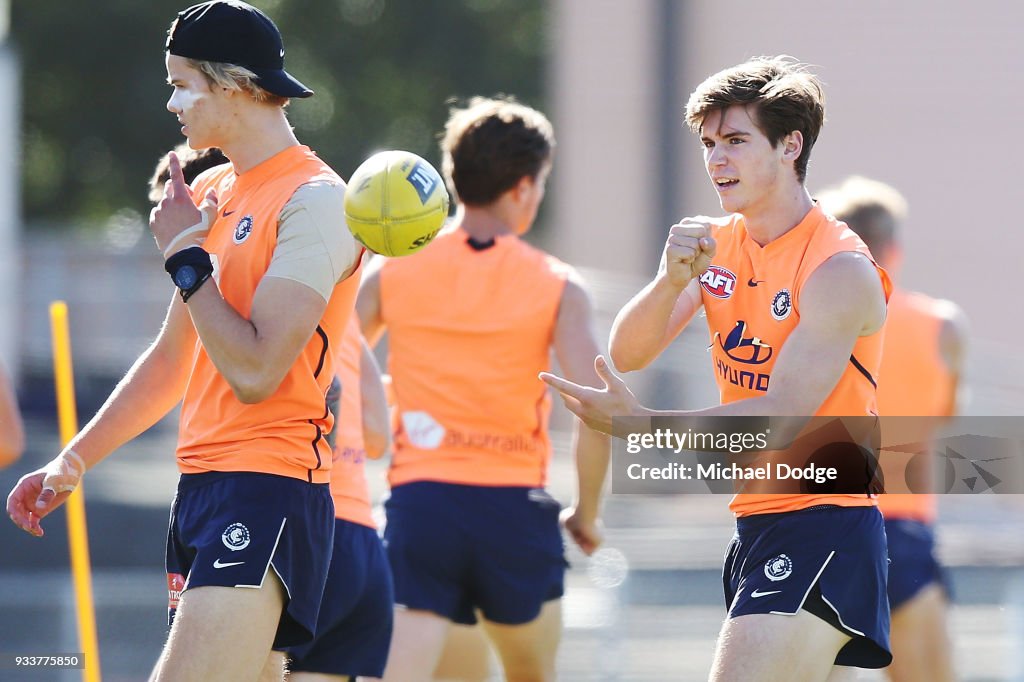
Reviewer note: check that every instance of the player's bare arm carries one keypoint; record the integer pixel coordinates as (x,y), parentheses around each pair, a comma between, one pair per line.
(575,347)
(374,403)
(368,302)
(809,366)
(654,317)
(254,355)
(150,389)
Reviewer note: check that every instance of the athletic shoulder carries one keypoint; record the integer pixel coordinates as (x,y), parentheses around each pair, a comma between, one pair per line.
(319,194)
(314,246)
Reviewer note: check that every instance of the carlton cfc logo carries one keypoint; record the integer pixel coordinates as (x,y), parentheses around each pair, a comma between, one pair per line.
(782,305)
(778,568)
(243,229)
(718,281)
(235,537)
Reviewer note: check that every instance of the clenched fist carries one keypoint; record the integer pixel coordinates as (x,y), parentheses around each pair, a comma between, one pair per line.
(688,251)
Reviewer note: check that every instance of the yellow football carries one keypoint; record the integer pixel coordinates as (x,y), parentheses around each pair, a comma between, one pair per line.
(395,203)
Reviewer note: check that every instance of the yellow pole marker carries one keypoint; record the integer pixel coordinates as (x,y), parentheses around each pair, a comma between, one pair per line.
(78,537)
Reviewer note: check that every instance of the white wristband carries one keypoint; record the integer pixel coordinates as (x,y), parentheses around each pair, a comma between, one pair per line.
(202,226)
(64,473)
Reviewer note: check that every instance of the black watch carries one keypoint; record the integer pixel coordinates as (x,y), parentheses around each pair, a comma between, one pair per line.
(186,277)
(189,269)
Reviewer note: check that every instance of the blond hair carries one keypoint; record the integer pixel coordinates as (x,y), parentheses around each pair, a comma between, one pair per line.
(237,78)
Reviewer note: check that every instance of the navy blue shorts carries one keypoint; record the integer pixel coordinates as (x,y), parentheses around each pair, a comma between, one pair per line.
(353,632)
(229,529)
(912,562)
(456,548)
(828,560)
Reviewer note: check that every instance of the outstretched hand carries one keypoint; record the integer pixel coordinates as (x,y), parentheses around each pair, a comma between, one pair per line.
(176,222)
(597,406)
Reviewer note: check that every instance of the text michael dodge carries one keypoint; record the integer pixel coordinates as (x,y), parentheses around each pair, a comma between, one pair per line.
(716,471)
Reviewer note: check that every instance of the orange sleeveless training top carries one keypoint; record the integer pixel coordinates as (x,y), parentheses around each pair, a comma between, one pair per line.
(752,298)
(349,488)
(468,332)
(284,434)
(914,381)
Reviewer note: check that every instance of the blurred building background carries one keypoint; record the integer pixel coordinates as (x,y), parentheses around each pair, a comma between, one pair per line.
(921,95)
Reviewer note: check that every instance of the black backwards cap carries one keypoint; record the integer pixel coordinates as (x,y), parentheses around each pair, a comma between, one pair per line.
(233,32)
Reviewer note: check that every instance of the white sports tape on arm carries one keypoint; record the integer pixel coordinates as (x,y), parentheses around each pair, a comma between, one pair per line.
(202,226)
(64,473)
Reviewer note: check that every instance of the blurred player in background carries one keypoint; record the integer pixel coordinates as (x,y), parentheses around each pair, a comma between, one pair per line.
(805,573)
(921,376)
(467,655)
(261,267)
(12,432)
(354,627)
(471,321)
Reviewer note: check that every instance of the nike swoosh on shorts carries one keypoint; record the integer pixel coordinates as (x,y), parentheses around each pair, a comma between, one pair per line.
(219,564)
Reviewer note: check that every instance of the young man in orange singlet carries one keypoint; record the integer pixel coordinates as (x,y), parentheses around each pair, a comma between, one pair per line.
(261,266)
(921,375)
(805,574)
(354,625)
(471,320)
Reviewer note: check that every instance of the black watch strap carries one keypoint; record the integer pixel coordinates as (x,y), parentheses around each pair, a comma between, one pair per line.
(187,293)
(198,260)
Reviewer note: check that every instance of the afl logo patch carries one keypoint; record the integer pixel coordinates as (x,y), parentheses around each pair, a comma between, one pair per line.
(235,537)
(243,229)
(778,568)
(718,281)
(782,305)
